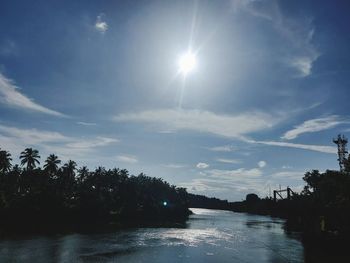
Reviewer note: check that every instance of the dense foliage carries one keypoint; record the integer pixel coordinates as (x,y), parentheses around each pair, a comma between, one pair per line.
(56,195)
(322,207)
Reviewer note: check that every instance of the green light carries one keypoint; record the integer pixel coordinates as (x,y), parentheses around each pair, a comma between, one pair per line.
(165,203)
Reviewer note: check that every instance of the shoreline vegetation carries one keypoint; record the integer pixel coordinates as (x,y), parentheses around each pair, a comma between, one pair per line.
(55,199)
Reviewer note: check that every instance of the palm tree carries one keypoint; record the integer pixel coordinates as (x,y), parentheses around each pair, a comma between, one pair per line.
(51,163)
(5,161)
(30,157)
(70,167)
(83,173)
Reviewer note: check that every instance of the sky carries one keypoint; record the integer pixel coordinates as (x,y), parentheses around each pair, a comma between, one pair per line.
(99,82)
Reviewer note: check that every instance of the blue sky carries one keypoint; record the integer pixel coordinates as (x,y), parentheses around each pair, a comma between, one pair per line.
(99,82)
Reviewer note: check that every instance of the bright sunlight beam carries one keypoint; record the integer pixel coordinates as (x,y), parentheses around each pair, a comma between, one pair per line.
(187,62)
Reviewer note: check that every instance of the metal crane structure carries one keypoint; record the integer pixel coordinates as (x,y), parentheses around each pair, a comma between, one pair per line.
(278,193)
(341,141)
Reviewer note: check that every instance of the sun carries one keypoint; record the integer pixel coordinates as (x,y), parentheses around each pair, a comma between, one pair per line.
(187,62)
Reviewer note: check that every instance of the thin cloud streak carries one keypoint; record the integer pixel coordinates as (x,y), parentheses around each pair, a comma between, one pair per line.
(10,95)
(310,147)
(314,125)
(231,161)
(15,140)
(297,31)
(232,126)
(127,158)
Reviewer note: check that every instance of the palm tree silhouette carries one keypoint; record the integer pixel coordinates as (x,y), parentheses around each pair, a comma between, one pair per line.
(51,163)
(30,157)
(5,161)
(70,167)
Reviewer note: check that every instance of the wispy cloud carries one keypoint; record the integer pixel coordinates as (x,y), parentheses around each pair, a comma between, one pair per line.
(225,148)
(298,32)
(10,95)
(86,123)
(202,165)
(15,140)
(234,126)
(234,183)
(174,165)
(314,125)
(100,24)
(127,158)
(232,161)
(310,147)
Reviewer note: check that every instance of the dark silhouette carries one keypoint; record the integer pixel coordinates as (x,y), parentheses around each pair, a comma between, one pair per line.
(321,211)
(30,157)
(56,198)
(51,164)
(5,161)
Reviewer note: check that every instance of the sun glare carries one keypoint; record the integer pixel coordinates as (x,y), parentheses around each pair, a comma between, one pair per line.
(187,62)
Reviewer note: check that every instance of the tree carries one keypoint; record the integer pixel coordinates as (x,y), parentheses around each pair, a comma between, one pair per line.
(5,161)
(83,173)
(30,157)
(70,168)
(51,164)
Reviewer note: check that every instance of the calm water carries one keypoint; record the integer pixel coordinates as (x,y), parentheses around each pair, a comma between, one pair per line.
(210,236)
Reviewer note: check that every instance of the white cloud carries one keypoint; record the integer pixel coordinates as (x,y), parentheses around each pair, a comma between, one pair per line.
(314,125)
(232,161)
(234,126)
(202,165)
(262,164)
(225,148)
(86,123)
(91,143)
(10,95)
(228,183)
(100,24)
(127,158)
(15,140)
(297,31)
(174,165)
(303,65)
(310,147)
(238,174)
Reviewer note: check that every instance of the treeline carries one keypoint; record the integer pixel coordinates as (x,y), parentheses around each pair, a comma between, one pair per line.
(322,209)
(201,201)
(59,195)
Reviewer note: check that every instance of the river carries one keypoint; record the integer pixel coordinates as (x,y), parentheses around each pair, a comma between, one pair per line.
(209,236)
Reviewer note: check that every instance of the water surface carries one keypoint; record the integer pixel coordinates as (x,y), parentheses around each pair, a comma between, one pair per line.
(209,236)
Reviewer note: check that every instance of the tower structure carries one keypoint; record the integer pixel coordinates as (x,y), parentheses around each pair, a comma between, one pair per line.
(341,141)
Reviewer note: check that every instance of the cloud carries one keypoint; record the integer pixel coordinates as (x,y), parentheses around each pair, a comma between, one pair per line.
(174,165)
(15,140)
(92,143)
(233,126)
(127,159)
(303,65)
(262,164)
(225,148)
(310,147)
(86,123)
(202,165)
(313,125)
(232,161)
(10,95)
(100,24)
(236,174)
(297,31)
(228,183)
